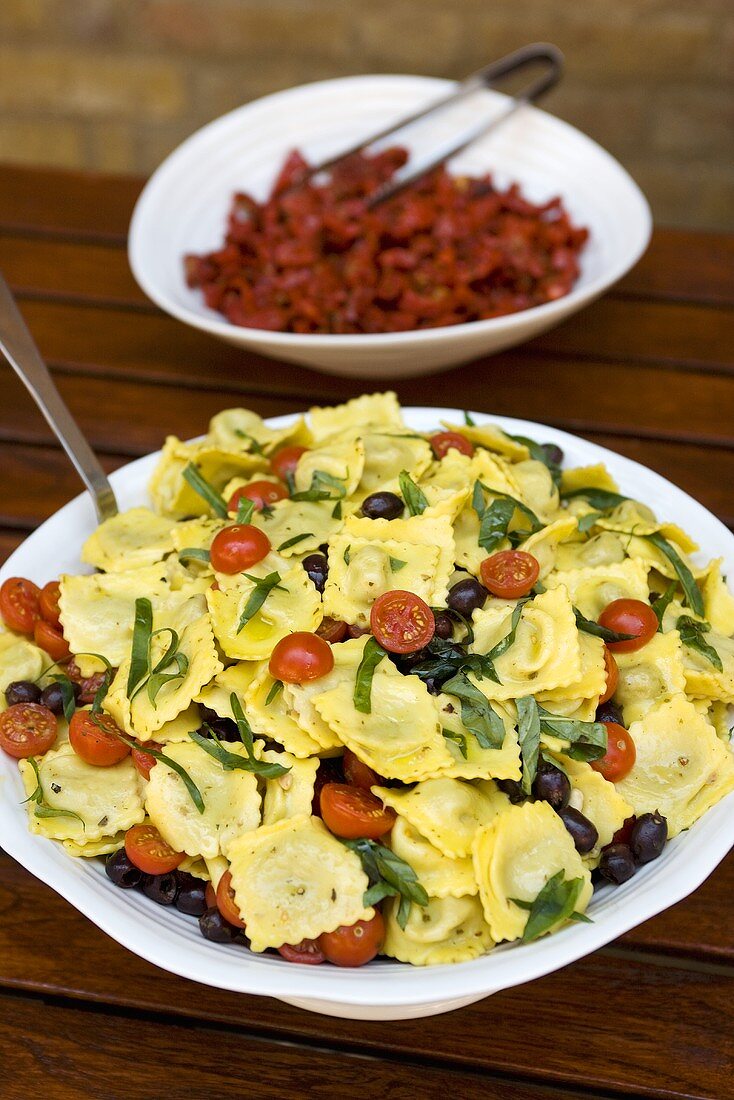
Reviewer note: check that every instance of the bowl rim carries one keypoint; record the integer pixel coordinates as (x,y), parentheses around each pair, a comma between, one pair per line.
(578,296)
(138,926)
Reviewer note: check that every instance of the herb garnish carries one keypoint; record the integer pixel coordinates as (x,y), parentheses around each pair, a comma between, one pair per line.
(347,555)
(585,523)
(42,808)
(604,632)
(588,740)
(193,553)
(389,876)
(143,674)
(294,541)
(541,453)
(323,487)
(495,518)
(692,635)
(469,420)
(601,499)
(688,583)
(275,689)
(255,447)
(528,733)
(457,738)
(396,564)
(662,603)
(68,698)
(207,492)
(194,792)
(555,902)
(415,499)
(263,587)
(371,657)
(245,509)
(477,713)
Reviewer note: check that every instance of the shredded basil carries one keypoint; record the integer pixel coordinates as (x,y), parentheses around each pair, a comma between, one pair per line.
(469,420)
(444,659)
(528,733)
(255,447)
(172,658)
(68,698)
(588,740)
(193,553)
(373,654)
(396,564)
(194,792)
(555,903)
(231,761)
(485,664)
(294,541)
(336,512)
(42,808)
(323,487)
(104,687)
(275,689)
(140,650)
(590,627)
(601,499)
(347,555)
(686,578)
(207,492)
(415,499)
(258,767)
(495,518)
(585,523)
(457,738)
(245,509)
(263,587)
(692,635)
(540,452)
(389,876)
(477,713)
(662,603)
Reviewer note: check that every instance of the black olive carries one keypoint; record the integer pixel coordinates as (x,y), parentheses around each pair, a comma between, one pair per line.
(382,506)
(162,888)
(317,567)
(653,596)
(22,691)
(191,897)
(552,785)
(122,871)
(444,625)
(648,837)
(53,698)
(215,928)
(609,712)
(512,789)
(617,863)
(553,453)
(583,833)
(466,596)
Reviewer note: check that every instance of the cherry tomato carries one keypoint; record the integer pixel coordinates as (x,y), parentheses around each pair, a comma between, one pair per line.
(284,462)
(51,639)
(352,813)
(27,729)
(358,774)
(619,759)
(49,602)
(623,834)
(332,630)
(150,853)
(92,736)
(629,617)
(260,492)
(300,657)
(443,442)
(144,763)
(19,604)
(354,944)
(226,904)
(307,951)
(238,547)
(402,622)
(612,671)
(510,573)
(210,896)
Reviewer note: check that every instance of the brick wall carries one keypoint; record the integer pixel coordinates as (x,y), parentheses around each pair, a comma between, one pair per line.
(114,85)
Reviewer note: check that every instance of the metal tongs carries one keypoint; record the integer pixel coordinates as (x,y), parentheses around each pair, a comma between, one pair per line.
(543,53)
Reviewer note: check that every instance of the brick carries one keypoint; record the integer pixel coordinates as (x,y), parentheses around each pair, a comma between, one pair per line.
(112,146)
(41,141)
(619,119)
(412,37)
(690,122)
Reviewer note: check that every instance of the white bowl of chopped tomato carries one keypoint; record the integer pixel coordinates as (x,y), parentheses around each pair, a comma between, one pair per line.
(522,229)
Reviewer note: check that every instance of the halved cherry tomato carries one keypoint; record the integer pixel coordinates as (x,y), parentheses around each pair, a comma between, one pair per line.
(150,853)
(92,736)
(354,944)
(284,462)
(619,759)
(629,617)
(300,657)
(210,896)
(19,604)
(88,685)
(352,813)
(358,774)
(27,729)
(226,904)
(238,547)
(443,442)
(510,573)
(612,673)
(49,602)
(51,639)
(307,951)
(260,493)
(143,761)
(332,630)
(402,622)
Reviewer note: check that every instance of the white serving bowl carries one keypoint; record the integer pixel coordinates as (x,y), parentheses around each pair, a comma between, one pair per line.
(184,206)
(383,990)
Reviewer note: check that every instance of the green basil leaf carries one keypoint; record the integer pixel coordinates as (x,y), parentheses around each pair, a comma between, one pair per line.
(686,578)
(347,555)
(604,632)
(245,510)
(528,733)
(469,420)
(662,603)
(457,738)
(588,739)
(275,689)
(396,564)
(389,875)
(294,541)
(371,657)
(193,553)
(255,447)
(477,713)
(587,522)
(105,682)
(42,808)
(336,512)
(494,523)
(601,499)
(505,643)
(539,452)
(692,635)
(207,492)
(172,657)
(194,792)
(68,697)
(230,761)
(263,587)
(140,649)
(555,903)
(415,499)
(444,659)
(323,487)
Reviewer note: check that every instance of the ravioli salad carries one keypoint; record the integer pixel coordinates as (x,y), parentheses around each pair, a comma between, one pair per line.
(346,689)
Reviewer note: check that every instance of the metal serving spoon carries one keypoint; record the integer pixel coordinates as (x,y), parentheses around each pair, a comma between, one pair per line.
(21,352)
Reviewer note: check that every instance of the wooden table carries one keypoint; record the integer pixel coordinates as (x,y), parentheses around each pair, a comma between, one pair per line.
(648,371)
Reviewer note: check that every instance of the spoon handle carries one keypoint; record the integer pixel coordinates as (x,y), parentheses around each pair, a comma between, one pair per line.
(21,352)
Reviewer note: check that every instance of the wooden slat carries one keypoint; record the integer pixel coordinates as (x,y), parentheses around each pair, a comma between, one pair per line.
(601,1023)
(56,268)
(10,540)
(686,264)
(83,205)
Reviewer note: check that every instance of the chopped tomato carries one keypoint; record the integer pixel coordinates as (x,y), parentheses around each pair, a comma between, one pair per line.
(150,853)
(351,812)
(402,622)
(619,759)
(354,944)
(510,574)
(307,951)
(332,630)
(143,761)
(19,604)
(612,673)
(226,904)
(629,617)
(299,657)
(260,493)
(443,442)
(51,639)
(93,737)
(27,729)
(284,462)
(238,547)
(210,896)
(358,774)
(49,603)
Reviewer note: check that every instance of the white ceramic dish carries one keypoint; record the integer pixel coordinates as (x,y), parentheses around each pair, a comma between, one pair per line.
(183,209)
(383,990)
